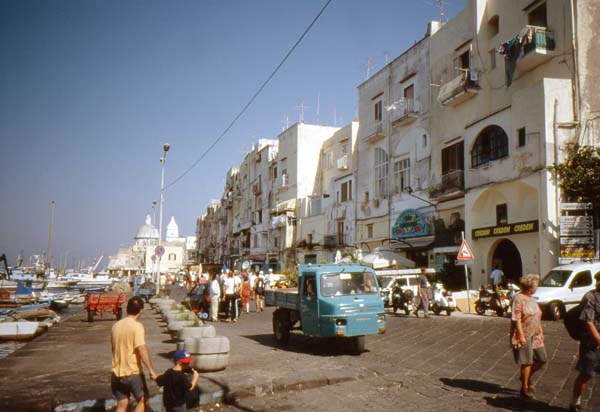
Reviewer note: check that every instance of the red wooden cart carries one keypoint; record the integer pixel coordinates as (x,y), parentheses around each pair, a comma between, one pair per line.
(99,303)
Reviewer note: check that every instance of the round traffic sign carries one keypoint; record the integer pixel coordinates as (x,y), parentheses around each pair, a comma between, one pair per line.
(159,250)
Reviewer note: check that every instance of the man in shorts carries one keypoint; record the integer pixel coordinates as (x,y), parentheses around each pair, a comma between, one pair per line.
(589,347)
(129,352)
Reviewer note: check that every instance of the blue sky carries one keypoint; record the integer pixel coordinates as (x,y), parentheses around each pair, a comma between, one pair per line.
(92,89)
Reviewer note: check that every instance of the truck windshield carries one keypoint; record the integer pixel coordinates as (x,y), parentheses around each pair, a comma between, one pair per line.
(556,278)
(346,283)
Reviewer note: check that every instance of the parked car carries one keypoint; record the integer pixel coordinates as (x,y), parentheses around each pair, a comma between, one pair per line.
(564,286)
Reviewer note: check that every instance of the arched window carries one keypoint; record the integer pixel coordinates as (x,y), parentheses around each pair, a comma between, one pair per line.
(381,173)
(491,144)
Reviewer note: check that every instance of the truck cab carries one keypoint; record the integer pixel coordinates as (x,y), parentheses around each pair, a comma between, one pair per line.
(334,300)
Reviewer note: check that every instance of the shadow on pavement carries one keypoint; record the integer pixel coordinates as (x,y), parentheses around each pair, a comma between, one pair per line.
(511,403)
(477,386)
(228,398)
(514,403)
(308,345)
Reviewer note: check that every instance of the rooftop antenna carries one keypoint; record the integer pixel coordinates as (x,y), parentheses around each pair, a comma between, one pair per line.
(440,3)
(286,123)
(301,107)
(318,105)
(369,66)
(334,117)
(386,56)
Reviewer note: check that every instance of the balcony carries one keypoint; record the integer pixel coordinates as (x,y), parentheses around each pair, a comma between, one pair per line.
(374,132)
(257,189)
(404,112)
(458,90)
(330,241)
(452,183)
(281,182)
(342,162)
(538,47)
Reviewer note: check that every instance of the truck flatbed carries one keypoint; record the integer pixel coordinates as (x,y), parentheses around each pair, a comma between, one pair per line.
(283,298)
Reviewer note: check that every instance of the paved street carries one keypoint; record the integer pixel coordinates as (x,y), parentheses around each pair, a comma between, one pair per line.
(460,362)
(457,363)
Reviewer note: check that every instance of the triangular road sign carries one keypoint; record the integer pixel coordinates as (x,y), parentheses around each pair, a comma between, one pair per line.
(464,253)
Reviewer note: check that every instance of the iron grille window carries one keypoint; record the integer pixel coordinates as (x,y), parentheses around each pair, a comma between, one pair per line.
(491,144)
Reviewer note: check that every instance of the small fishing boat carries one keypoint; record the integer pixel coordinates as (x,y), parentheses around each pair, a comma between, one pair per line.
(19,330)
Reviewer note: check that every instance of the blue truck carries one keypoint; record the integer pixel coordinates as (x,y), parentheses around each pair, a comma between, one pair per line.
(332,300)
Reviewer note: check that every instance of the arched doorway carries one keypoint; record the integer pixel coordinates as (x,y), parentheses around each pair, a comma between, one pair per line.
(507,257)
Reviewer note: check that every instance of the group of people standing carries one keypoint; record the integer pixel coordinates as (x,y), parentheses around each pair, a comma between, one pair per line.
(527,338)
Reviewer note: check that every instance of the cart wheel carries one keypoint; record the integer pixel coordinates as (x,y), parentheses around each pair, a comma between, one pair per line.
(90,315)
(119,313)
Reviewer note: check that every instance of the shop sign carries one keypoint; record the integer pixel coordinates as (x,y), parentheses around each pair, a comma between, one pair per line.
(409,223)
(572,251)
(576,206)
(506,230)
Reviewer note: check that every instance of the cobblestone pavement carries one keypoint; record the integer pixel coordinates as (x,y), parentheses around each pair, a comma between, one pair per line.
(460,363)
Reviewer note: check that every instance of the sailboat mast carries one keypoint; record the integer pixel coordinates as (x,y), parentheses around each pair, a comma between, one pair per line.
(49,254)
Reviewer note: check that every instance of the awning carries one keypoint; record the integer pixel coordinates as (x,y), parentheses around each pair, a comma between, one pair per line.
(412,242)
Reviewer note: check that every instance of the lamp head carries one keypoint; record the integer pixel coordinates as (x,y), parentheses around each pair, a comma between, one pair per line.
(166,147)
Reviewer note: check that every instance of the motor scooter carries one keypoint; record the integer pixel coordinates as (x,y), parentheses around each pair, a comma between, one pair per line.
(491,300)
(442,300)
(402,299)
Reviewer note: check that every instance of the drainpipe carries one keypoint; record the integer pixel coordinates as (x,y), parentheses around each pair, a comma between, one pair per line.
(576,92)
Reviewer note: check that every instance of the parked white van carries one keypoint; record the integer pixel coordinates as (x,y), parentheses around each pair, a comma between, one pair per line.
(564,286)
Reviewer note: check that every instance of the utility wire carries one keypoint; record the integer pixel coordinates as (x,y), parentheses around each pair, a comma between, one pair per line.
(260,89)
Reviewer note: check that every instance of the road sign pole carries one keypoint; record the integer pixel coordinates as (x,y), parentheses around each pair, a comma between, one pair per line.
(467,278)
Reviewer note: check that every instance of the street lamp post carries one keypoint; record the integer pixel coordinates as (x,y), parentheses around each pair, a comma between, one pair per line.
(163,160)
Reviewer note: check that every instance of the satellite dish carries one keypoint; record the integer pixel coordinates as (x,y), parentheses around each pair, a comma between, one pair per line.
(245,265)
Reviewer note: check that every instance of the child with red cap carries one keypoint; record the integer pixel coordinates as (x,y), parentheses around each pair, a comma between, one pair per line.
(175,382)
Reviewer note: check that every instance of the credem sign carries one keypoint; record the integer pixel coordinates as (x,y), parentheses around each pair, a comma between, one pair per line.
(505,230)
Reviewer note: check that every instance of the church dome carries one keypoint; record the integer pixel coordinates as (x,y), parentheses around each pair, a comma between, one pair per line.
(147,230)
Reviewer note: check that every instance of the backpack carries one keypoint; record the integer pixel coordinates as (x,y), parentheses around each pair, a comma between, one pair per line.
(574,325)
(260,286)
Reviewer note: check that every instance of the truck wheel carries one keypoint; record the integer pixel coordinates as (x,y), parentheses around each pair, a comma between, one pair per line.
(437,308)
(280,327)
(555,311)
(358,345)
(90,315)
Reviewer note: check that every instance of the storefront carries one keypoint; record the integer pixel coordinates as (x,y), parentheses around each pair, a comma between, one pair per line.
(412,233)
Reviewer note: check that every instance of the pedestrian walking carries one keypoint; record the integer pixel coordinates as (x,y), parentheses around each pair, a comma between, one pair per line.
(589,347)
(129,353)
(497,277)
(245,294)
(423,292)
(527,335)
(215,297)
(259,291)
(230,299)
(238,292)
(177,389)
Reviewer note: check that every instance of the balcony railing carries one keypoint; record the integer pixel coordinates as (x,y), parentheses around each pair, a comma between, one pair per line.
(404,111)
(374,132)
(538,47)
(451,182)
(463,87)
(342,162)
(281,182)
(330,241)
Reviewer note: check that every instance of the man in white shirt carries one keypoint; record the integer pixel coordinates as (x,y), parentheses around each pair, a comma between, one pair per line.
(229,286)
(215,295)
(497,277)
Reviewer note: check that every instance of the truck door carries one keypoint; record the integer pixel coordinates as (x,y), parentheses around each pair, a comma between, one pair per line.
(309,305)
